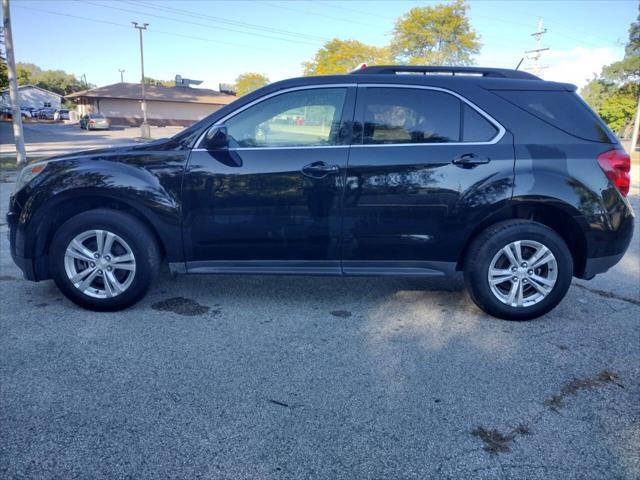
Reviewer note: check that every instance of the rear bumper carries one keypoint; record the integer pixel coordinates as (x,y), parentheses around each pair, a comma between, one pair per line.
(596,265)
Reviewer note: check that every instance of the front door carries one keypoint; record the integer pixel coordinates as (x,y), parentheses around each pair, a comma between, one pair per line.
(425,168)
(271,200)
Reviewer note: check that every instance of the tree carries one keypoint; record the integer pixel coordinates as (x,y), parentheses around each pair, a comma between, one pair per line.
(248,82)
(25,72)
(618,109)
(57,81)
(4,74)
(614,93)
(341,56)
(159,83)
(438,35)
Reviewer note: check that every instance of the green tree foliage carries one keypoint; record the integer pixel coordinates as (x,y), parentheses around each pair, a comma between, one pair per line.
(341,56)
(4,74)
(25,72)
(435,35)
(248,82)
(617,109)
(159,83)
(56,81)
(614,93)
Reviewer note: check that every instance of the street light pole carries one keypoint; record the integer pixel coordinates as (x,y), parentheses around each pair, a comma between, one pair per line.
(21,155)
(121,70)
(144,128)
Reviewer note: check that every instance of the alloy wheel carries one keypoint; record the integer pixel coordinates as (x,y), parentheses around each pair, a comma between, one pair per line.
(522,273)
(100,264)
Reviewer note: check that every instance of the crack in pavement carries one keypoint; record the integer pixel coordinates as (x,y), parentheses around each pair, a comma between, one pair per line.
(607,294)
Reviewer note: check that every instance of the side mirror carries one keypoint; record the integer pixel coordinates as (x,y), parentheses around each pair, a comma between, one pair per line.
(216,138)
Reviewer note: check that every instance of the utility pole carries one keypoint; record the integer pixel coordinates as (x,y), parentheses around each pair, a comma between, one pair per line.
(121,70)
(535,54)
(145,132)
(634,133)
(21,154)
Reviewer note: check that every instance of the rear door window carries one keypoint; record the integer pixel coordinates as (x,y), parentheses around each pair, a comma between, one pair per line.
(407,115)
(562,109)
(475,127)
(393,115)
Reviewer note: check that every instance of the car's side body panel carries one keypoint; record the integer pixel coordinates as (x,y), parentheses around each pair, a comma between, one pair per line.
(146,180)
(393,209)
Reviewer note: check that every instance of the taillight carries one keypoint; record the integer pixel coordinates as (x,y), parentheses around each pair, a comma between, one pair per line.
(616,165)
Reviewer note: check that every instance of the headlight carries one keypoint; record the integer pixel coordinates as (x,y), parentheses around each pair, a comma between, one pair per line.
(28,173)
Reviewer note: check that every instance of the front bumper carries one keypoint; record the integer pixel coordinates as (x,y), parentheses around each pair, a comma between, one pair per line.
(16,247)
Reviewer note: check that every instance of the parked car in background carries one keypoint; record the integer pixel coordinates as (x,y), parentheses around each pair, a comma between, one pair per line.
(7,113)
(62,114)
(26,112)
(46,113)
(496,173)
(94,121)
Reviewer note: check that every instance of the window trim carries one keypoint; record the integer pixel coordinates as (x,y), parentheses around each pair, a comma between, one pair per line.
(498,136)
(262,99)
(493,121)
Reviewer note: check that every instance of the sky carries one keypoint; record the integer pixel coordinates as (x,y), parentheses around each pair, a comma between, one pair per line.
(216,40)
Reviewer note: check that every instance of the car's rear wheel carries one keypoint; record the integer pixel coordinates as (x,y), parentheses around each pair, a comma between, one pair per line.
(103,259)
(518,270)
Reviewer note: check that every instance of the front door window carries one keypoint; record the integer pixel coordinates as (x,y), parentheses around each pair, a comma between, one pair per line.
(302,118)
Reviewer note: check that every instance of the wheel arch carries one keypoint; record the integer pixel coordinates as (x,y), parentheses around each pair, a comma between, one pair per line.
(558,216)
(57,210)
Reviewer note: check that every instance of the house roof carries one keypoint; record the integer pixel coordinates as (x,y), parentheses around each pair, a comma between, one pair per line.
(132,91)
(22,87)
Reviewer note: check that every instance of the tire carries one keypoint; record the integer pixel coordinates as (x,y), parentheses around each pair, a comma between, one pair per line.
(537,291)
(115,281)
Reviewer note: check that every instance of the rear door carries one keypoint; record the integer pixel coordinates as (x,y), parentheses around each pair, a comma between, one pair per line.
(270,202)
(426,166)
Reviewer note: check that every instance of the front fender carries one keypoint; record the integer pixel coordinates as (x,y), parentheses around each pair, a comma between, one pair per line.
(78,184)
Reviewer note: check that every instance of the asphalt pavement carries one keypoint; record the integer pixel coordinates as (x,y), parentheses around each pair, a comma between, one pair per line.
(46,139)
(243,377)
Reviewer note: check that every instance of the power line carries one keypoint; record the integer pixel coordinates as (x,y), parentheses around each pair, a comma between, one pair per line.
(554,32)
(306,12)
(115,24)
(190,13)
(138,12)
(353,10)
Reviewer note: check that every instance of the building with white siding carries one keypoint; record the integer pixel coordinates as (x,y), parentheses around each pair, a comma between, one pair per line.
(32,96)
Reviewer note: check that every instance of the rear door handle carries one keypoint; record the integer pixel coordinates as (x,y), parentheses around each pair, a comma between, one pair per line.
(470,160)
(319,170)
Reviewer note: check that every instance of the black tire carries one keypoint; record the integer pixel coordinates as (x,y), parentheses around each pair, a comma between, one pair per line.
(487,245)
(138,237)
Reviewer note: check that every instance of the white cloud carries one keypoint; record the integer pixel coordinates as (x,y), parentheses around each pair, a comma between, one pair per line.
(576,65)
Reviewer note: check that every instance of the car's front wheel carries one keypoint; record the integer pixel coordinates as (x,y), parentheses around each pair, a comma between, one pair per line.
(104,259)
(518,270)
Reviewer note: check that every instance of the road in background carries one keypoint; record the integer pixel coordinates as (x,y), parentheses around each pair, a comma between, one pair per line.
(46,139)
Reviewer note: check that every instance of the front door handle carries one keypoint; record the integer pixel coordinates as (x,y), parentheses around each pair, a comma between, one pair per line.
(319,170)
(470,160)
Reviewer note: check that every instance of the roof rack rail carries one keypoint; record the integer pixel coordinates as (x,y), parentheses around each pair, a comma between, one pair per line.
(418,69)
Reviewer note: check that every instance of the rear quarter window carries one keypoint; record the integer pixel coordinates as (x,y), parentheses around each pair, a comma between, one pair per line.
(563,110)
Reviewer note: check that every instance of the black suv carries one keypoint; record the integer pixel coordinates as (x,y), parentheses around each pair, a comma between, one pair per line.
(416,171)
